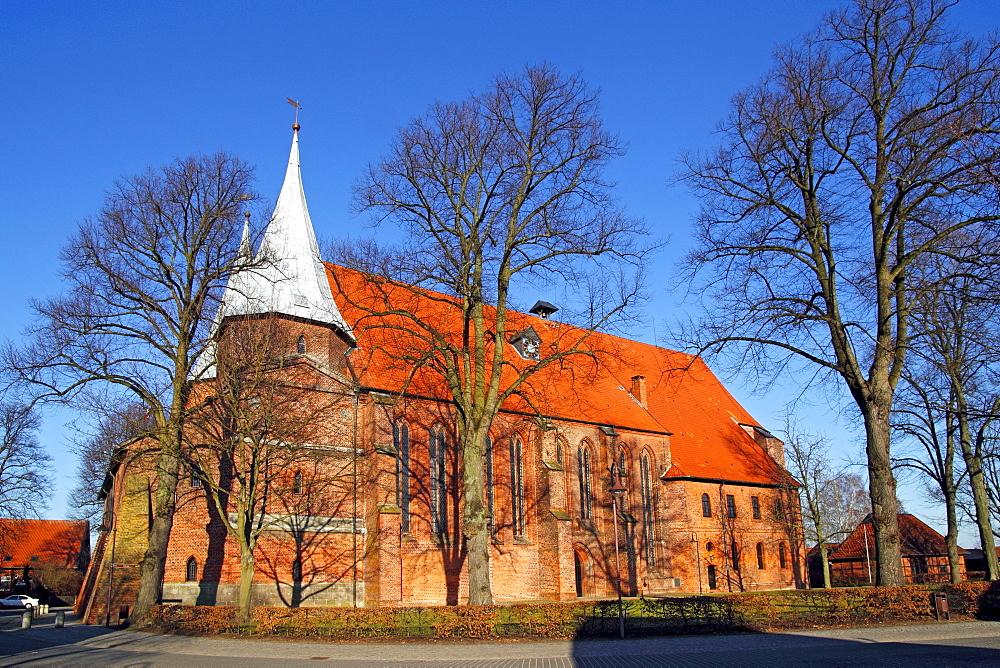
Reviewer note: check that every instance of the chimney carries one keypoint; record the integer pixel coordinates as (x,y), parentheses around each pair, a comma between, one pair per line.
(639,389)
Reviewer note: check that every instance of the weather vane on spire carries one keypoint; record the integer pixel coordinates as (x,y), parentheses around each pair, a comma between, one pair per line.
(297,106)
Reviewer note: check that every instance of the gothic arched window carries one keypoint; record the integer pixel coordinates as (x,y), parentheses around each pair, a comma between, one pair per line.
(583,468)
(297,483)
(760,556)
(191,570)
(648,518)
(401,441)
(439,481)
(490,493)
(517,486)
(782,559)
(300,346)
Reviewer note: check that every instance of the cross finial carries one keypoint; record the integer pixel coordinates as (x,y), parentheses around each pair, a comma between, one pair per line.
(297,106)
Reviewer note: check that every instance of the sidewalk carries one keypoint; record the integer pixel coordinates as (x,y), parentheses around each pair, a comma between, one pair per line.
(45,635)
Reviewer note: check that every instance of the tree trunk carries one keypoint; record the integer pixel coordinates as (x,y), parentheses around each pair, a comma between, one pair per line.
(980,497)
(974,464)
(824,562)
(154,560)
(951,538)
(475,526)
(244,598)
(882,489)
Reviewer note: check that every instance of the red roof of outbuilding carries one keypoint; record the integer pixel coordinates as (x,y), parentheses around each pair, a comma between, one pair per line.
(59,541)
(684,398)
(916,538)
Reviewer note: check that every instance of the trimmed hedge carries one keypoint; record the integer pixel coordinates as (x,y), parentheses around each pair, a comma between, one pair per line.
(754,611)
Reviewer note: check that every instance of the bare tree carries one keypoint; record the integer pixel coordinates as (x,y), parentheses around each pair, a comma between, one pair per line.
(921,416)
(494,194)
(142,281)
(951,400)
(260,447)
(857,155)
(95,447)
(832,500)
(24,480)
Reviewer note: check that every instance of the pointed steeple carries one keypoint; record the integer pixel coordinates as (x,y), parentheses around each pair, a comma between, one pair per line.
(290,278)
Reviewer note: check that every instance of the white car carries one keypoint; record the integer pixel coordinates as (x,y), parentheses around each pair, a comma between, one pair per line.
(19,601)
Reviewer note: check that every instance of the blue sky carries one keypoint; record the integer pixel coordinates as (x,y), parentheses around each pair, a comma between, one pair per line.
(96,90)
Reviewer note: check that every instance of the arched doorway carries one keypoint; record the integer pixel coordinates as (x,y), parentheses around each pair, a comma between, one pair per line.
(581,571)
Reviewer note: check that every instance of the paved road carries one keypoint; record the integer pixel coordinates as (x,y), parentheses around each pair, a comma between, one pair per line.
(948,644)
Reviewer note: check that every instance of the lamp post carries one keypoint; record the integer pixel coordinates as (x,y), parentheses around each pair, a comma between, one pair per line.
(617,490)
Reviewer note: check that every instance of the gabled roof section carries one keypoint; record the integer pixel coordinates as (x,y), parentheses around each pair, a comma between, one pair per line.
(64,542)
(685,401)
(916,538)
(291,279)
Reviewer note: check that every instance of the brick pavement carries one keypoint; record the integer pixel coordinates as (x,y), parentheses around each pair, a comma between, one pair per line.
(960,643)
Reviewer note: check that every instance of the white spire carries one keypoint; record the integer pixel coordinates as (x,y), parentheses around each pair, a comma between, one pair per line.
(291,278)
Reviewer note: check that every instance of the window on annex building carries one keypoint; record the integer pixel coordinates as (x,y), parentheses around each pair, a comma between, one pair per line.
(439,481)
(755,506)
(730,506)
(760,556)
(648,519)
(706,505)
(401,441)
(517,486)
(583,468)
(191,570)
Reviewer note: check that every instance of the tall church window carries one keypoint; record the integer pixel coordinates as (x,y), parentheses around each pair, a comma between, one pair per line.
(490,493)
(755,506)
(734,552)
(760,556)
(439,486)
(297,483)
(782,558)
(730,506)
(648,519)
(583,467)
(706,505)
(622,463)
(300,346)
(517,486)
(191,571)
(401,441)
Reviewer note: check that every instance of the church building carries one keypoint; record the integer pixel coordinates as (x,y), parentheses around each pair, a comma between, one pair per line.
(364,502)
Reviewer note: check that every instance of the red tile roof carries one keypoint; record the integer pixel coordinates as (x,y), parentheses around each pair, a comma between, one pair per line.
(916,539)
(60,541)
(685,398)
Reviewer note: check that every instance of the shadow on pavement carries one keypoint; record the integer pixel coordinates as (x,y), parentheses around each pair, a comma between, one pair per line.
(43,634)
(783,649)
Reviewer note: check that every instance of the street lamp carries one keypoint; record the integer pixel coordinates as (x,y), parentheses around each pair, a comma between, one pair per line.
(617,490)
